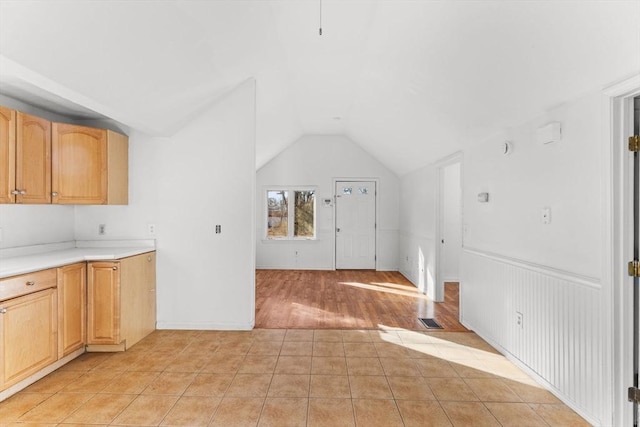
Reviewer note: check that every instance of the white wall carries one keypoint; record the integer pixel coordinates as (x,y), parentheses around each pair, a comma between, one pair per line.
(552,274)
(186,184)
(451,222)
(316,161)
(25,225)
(417,228)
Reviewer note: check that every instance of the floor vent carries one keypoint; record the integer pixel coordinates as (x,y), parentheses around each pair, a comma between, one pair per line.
(430,323)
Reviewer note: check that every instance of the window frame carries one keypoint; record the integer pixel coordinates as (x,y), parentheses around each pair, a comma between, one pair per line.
(291,189)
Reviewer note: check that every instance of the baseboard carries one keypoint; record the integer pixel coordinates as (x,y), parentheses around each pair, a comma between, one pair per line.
(206,326)
(5,394)
(540,380)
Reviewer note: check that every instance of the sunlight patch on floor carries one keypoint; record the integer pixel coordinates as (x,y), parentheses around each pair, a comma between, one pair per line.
(465,350)
(386,289)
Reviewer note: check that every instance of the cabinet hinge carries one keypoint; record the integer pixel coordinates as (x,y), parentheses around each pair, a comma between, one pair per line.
(634,143)
(633,394)
(634,268)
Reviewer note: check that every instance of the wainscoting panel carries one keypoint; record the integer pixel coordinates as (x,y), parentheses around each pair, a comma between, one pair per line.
(561,337)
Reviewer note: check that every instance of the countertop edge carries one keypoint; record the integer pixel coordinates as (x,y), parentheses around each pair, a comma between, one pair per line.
(46,260)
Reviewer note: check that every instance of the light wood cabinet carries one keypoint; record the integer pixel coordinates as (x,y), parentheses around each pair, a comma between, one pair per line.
(89,166)
(121,307)
(28,335)
(33,159)
(103,303)
(72,291)
(25,145)
(7,155)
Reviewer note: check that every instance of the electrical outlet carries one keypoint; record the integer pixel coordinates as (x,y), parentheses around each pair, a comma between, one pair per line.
(151,229)
(102,229)
(519,320)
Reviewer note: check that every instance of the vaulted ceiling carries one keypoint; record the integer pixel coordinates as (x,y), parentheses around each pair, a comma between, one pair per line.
(410,81)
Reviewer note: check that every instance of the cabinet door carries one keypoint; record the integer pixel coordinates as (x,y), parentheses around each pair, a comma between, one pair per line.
(7,154)
(28,335)
(103,305)
(79,165)
(149,308)
(138,297)
(72,290)
(33,159)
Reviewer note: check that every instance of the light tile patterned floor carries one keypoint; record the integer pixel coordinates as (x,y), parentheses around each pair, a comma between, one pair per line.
(278,377)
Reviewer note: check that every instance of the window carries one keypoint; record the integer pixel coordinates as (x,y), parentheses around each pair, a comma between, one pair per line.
(287,207)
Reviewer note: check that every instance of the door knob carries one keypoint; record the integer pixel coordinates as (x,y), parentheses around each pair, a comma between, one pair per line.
(337,230)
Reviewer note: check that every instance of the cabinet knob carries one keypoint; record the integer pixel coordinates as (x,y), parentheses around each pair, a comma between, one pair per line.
(15,192)
(30,283)
(23,192)
(149,258)
(3,310)
(54,194)
(114,268)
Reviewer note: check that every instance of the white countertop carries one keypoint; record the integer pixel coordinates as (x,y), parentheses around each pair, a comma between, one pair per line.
(40,257)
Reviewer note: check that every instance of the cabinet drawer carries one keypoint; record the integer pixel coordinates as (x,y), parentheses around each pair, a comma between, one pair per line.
(16,286)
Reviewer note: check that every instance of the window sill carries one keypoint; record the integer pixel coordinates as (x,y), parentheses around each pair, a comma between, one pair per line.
(276,240)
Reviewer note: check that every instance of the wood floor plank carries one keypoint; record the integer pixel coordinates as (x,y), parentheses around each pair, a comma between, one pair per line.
(348,299)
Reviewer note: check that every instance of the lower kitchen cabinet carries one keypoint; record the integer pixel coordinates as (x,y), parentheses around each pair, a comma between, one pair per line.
(72,291)
(28,335)
(121,302)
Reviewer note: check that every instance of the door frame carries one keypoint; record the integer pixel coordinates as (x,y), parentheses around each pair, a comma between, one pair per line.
(457,157)
(333,190)
(617,249)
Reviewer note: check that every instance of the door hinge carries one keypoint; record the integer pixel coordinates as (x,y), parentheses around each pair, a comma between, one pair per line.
(634,268)
(633,394)
(634,143)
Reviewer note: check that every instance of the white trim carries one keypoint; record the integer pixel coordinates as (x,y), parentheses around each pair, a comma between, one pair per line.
(288,267)
(457,157)
(291,213)
(333,190)
(5,394)
(617,249)
(540,380)
(206,326)
(591,282)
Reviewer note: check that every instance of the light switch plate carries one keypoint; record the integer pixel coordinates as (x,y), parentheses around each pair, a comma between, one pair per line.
(546,215)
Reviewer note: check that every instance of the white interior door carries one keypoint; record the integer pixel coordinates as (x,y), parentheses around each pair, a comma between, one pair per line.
(356,225)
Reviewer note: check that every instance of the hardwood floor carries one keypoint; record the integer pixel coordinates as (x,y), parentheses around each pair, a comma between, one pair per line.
(358,299)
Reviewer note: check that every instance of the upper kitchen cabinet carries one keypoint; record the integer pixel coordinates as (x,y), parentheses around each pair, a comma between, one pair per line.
(89,166)
(7,155)
(25,153)
(33,160)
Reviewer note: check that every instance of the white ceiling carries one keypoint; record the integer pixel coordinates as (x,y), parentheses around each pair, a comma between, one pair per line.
(410,81)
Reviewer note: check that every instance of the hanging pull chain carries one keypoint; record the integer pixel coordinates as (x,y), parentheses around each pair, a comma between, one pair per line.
(320,29)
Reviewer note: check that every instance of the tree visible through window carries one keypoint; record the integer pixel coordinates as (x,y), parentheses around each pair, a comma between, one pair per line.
(280,214)
(278,218)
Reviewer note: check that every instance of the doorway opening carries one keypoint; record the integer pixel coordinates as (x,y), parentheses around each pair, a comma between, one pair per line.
(448,224)
(623,116)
